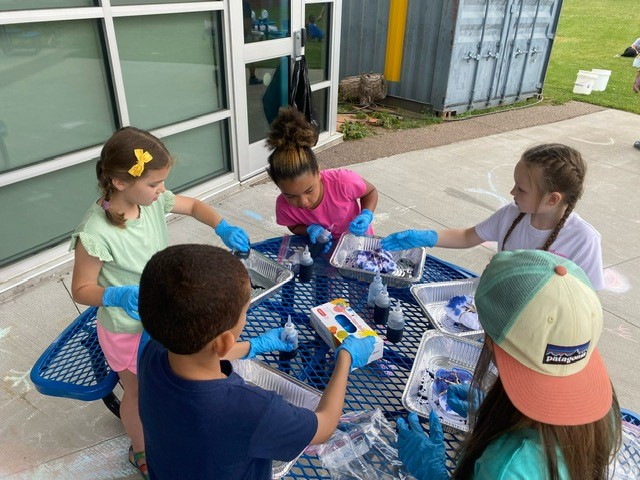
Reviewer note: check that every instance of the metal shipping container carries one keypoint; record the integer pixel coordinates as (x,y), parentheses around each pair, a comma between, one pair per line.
(458,55)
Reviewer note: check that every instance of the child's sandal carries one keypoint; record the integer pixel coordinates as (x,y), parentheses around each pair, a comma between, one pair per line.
(139,460)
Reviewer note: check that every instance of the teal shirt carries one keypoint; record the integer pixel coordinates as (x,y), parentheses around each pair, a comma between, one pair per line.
(124,252)
(514,456)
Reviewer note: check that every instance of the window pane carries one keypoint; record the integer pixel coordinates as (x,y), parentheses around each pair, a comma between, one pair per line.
(54,91)
(172,66)
(266,94)
(200,154)
(319,99)
(316,49)
(49,210)
(265,19)
(32,4)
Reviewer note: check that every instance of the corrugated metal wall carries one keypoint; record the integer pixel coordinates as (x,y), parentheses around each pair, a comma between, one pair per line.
(458,54)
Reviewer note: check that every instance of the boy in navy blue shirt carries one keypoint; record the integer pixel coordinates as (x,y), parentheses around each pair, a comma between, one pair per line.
(200,419)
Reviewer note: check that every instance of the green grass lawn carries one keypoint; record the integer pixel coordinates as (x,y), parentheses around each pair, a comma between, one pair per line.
(590,34)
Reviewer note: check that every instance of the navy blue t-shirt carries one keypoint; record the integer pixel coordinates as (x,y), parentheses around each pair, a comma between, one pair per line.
(215,429)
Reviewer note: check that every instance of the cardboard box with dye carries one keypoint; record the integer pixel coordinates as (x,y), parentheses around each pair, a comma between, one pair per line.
(336,320)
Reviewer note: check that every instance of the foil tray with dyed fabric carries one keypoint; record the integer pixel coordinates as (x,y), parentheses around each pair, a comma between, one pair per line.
(433,297)
(409,263)
(439,351)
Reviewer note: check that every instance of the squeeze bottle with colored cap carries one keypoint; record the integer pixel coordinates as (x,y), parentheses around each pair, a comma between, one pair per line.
(290,335)
(306,265)
(374,288)
(395,324)
(321,241)
(381,309)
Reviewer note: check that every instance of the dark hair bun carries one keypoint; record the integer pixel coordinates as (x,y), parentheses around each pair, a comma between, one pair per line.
(291,129)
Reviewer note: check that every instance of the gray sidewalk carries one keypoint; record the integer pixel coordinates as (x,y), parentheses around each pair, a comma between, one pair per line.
(454,185)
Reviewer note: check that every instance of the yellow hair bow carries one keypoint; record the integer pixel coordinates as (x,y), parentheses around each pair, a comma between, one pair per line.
(143,157)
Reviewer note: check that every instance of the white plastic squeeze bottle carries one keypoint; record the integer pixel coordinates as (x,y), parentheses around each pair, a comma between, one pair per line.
(374,288)
(321,241)
(306,265)
(381,309)
(395,324)
(290,335)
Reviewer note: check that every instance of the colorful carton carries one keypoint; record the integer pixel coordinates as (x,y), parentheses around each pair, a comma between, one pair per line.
(336,320)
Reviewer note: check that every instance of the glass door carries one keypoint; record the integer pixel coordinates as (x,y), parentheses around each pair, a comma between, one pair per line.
(264,28)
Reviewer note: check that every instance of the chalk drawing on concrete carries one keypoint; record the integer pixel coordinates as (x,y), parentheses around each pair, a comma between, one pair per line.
(615,281)
(609,142)
(254,215)
(18,381)
(3,333)
(493,191)
(623,332)
(397,211)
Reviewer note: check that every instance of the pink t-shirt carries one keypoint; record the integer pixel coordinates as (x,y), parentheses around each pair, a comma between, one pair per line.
(339,205)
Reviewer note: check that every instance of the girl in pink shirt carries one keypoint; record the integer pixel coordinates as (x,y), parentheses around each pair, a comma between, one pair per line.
(339,200)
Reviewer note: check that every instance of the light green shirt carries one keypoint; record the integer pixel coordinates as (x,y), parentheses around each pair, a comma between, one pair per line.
(123,252)
(516,456)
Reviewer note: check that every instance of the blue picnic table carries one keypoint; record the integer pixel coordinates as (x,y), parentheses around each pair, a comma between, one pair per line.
(74,366)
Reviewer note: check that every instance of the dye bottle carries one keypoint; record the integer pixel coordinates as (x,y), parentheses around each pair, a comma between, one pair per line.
(374,288)
(321,241)
(290,335)
(306,266)
(395,324)
(381,308)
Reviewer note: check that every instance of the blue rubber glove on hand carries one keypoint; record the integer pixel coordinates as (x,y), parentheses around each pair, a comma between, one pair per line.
(315,230)
(458,399)
(410,239)
(268,342)
(360,224)
(360,350)
(125,297)
(425,457)
(234,238)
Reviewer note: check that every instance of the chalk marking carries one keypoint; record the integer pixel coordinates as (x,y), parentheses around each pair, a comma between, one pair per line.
(4,332)
(610,142)
(254,215)
(615,281)
(503,201)
(623,332)
(19,379)
(493,192)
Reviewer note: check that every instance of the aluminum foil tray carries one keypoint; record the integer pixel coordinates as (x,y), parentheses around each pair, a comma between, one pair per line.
(627,463)
(413,259)
(294,391)
(267,276)
(432,298)
(438,350)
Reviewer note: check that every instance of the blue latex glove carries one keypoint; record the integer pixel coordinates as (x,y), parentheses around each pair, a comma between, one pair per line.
(425,457)
(234,238)
(268,342)
(125,297)
(410,239)
(360,350)
(458,399)
(315,230)
(360,224)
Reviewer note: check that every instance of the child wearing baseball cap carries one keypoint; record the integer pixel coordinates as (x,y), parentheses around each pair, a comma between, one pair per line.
(552,413)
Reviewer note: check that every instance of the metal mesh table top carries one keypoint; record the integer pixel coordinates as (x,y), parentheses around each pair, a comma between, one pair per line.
(378,385)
